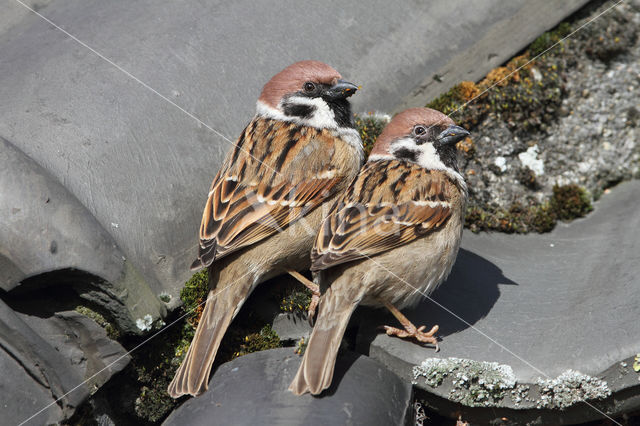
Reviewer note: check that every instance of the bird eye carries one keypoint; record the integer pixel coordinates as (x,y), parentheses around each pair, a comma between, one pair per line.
(419,130)
(309,87)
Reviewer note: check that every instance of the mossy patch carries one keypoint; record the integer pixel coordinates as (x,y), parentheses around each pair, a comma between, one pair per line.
(265,339)
(568,202)
(112,330)
(607,39)
(156,363)
(548,39)
(296,300)
(526,96)
(155,368)
(194,294)
(370,126)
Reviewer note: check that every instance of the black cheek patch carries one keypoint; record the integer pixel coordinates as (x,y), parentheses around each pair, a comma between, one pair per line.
(406,154)
(302,111)
(342,111)
(448,155)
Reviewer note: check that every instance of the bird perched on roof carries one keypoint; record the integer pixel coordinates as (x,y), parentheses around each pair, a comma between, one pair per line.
(265,204)
(390,239)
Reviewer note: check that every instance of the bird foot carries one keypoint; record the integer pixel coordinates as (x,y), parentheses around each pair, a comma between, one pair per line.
(411,332)
(315,298)
(313,306)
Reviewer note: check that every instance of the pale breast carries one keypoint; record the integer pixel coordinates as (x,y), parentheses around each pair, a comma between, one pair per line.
(406,274)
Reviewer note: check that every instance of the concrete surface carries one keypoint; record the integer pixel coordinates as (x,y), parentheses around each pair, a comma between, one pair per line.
(252,390)
(541,304)
(141,166)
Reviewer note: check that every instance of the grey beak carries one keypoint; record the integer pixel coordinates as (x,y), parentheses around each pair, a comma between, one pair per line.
(452,135)
(342,89)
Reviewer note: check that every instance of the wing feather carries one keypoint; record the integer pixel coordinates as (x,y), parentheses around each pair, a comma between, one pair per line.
(249,201)
(370,219)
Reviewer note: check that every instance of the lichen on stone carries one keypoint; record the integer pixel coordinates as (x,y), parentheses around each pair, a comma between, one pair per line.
(520,394)
(570,388)
(474,383)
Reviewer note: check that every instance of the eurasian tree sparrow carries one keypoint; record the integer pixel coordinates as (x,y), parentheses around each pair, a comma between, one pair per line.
(300,150)
(392,237)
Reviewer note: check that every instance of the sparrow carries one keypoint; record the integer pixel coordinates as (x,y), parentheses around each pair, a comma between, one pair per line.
(390,239)
(265,205)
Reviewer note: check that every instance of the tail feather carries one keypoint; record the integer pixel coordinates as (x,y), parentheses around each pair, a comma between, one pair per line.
(192,376)
(336,307)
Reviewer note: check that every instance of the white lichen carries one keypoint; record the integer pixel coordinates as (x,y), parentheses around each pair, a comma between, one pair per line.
(569,388)
(501,163)
(475,383)
(145,323)
(520,394)
(530,159)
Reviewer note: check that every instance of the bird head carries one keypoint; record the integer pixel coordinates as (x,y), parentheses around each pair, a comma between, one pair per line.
(310,93)
(423,136)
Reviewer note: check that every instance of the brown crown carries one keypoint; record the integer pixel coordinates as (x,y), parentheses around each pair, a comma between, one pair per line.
(402,125)
(292,78)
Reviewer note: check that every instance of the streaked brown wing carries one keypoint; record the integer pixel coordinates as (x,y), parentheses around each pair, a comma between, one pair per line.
(391,203)
(274,176)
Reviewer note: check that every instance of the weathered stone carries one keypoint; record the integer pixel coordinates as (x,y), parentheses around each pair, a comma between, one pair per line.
(291,326)
(253,389)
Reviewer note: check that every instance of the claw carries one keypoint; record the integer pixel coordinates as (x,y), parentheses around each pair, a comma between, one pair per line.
(415,333)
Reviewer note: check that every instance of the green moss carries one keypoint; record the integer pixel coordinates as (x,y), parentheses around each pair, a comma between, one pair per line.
(447,102)
(164,297)
(524,95)
(296,299)
(570,202)
(370,126)
(567,203)
(194,294)
(265,339)
(112,330)
(543,218)
(527,177)
(301,346)
(514,220)
(549,38)
(156,365)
